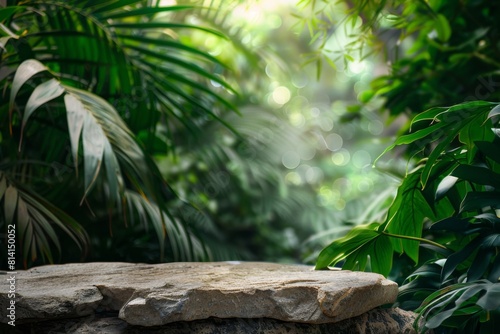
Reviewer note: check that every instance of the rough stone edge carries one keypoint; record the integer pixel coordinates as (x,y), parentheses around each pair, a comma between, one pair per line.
(377,321)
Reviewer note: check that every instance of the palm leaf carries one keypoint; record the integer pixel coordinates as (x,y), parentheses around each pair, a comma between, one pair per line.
(35,219)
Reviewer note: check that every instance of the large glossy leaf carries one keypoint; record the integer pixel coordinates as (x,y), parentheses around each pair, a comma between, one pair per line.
(360,244)
(406,215)
(420,134)
(478,175)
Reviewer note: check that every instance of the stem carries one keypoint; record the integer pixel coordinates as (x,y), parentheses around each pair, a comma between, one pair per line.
(414,238)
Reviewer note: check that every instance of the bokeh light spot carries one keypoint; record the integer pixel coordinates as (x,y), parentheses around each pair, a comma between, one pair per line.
(297,119)
(334,142)
(274,21)
(281,95)
(306,152)
(343,185)
(365,185)
(293,178)
(299,80)
(326,124)
(341,157)
(361,159)
(314,175)
(290,159)
(357,67)
(376,127)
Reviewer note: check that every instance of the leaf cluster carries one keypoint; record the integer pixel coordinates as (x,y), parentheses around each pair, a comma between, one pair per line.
(455,190)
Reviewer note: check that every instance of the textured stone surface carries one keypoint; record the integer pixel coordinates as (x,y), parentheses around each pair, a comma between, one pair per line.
(378,321)
(152,295)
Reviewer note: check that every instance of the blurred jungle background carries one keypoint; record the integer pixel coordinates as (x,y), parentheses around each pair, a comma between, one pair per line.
(234,138)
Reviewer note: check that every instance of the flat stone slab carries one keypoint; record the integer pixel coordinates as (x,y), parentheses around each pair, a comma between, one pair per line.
(154,295)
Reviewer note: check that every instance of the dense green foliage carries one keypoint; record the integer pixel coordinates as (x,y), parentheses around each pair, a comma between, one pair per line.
(124,132)
(92,90)
(444,218)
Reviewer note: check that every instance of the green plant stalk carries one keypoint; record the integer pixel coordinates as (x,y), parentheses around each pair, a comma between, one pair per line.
(415,239)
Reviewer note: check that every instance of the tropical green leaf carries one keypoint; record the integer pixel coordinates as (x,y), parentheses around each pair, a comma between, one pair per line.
(103,6)
(93,139)
(164,226)
(491,299)
(481,262)
(445,185)
(478,175)
(494,275)
(379,251)
(452,224)
(174,45)
(76,117)
(7,12)
(26,70)
(443,28)
(166,25)
(489,149)
(114,178)
(360,244)
(478,200)
(43,93)
(494,112)
(142,11)
(428,115)
(35,218)
(406,215)
(436,154)
(459,299)
(187,65)
(459,257)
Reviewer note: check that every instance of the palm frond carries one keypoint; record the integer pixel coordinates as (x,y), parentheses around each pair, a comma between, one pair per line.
(184,244)
(118,73)
(35,219)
